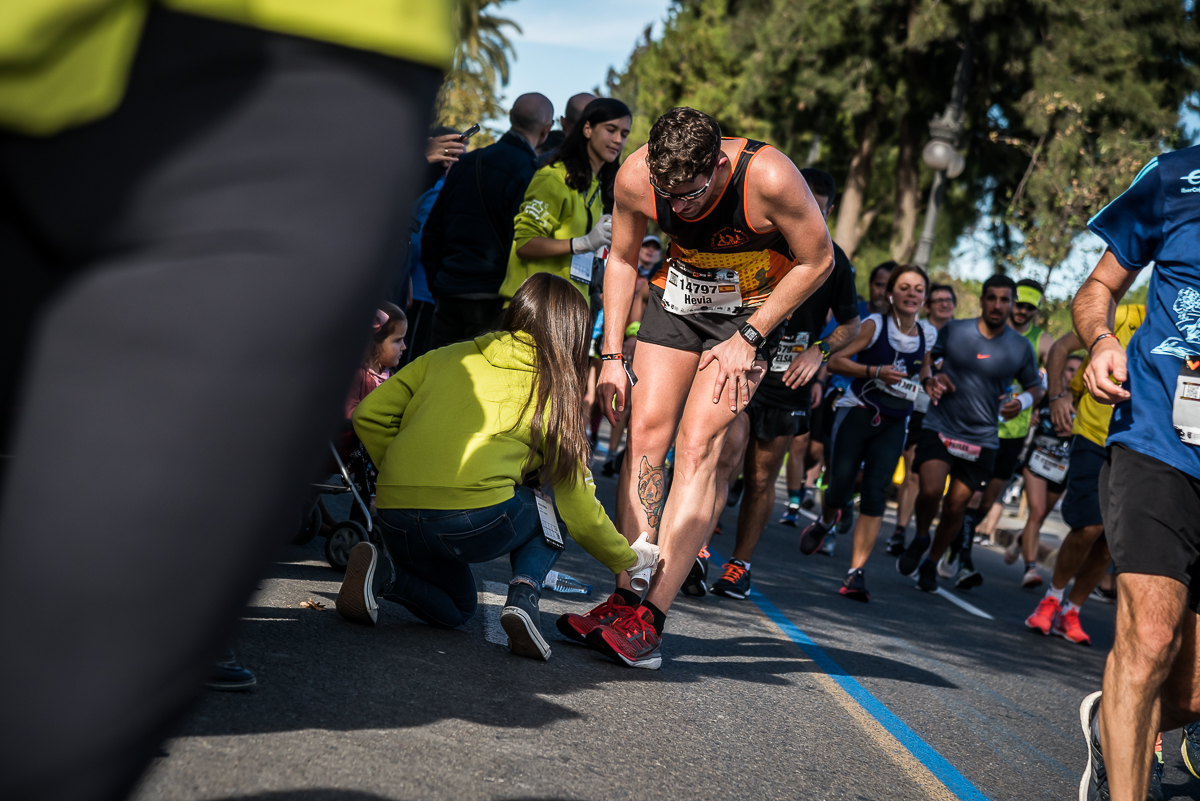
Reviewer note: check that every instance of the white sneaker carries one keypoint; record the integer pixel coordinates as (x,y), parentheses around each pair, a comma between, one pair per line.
(947,567)
(1032,578)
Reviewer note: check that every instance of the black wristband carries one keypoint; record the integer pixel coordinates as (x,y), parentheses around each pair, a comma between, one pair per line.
(751,335)
(1097,339)
(612,357)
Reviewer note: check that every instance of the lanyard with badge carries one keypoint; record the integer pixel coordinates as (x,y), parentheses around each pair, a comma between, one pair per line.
(583,264)
(1185,407)
(549,520)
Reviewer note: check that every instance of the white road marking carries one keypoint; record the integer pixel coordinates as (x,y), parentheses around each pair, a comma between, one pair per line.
(492,598)
(960,603)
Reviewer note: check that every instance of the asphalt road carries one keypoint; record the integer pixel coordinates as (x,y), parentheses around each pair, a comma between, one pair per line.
(796,693)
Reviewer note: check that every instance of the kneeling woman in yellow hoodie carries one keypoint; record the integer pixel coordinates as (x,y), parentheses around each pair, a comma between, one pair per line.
(455,435)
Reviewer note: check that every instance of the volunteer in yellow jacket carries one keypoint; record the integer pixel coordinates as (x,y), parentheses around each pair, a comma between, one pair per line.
(456,435)
(1083,555)
(562,223)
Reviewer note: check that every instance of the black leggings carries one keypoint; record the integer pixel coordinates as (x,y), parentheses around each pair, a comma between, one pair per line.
(188,285)
(877,448)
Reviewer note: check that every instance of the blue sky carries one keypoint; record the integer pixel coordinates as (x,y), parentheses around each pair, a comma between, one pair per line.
(566,46)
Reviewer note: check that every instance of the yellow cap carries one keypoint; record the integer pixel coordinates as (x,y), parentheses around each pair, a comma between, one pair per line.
(1027,294)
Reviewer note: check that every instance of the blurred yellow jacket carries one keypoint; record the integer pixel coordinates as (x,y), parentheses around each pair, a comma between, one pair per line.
(452,431)
(66,62)
(1091,416)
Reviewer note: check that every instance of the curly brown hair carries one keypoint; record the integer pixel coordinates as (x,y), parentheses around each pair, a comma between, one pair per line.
(684,143)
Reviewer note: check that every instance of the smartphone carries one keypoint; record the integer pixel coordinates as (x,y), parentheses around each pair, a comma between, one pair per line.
(467,134)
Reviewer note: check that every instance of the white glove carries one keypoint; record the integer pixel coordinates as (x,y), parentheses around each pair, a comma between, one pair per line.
(647,555)
(597,238)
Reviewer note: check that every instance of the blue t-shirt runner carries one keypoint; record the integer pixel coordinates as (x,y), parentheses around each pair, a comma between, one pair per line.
(982,370)
(1157,219)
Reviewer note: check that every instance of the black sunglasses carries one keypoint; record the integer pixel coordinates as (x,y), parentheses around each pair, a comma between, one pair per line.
(682,195)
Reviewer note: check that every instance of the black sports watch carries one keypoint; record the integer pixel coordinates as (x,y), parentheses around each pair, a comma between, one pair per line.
(824,346)
(751,335)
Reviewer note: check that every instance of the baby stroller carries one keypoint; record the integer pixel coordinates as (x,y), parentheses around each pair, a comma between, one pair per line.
(355,478)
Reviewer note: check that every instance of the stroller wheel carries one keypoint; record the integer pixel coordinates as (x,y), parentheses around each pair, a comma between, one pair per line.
(345,535)
(309,527)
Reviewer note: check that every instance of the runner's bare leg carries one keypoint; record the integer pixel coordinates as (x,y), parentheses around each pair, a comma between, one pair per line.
(656,404)
(688,514)
(763,462)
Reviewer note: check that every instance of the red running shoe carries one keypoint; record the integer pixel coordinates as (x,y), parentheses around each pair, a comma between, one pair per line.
(1066,625)
(1043,617)
(578,627)
(630,640)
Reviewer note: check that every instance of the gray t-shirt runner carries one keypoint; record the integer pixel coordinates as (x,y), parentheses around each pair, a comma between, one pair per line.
(982,370)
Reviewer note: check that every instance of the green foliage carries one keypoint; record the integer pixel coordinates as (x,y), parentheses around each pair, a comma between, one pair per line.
(1106,86)
(1066,102)
(470,92)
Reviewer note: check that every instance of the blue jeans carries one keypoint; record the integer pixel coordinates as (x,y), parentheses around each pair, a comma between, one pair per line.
(431,550)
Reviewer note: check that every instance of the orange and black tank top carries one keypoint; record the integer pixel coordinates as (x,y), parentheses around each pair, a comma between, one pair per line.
(723,239)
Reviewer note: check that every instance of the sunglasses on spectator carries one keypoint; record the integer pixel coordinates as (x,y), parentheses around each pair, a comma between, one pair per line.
(682,195)
(1029,308)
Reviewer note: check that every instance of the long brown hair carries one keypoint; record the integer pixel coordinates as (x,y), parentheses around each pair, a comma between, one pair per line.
(553,312)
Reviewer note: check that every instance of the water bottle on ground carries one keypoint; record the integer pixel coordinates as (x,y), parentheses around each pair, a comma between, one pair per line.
(562,583)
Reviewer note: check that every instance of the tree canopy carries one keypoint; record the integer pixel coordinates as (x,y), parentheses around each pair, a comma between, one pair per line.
(1065,103)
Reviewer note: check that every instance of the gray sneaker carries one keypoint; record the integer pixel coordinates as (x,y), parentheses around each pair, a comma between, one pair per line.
(356,600)
(522,623)
(1093,785)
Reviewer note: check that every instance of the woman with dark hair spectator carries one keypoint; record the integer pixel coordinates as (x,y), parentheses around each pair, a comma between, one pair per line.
(562,222)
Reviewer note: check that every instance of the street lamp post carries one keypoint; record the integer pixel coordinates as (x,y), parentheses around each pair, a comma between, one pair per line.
(941,152)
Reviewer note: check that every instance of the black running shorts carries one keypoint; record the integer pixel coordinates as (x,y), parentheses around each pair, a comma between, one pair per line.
(1008,458)
(697,332)
(974,474)
(1152,518)
(1081,504)
(913,436)
(768,423)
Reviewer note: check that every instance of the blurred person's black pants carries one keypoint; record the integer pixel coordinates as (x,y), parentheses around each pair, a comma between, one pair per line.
(459,319)
(186,289)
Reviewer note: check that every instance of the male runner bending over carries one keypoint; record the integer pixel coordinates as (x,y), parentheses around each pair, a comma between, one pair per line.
(748,245)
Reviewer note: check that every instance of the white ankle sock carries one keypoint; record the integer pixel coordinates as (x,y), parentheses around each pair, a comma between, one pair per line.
(1055,594)
(1068,606)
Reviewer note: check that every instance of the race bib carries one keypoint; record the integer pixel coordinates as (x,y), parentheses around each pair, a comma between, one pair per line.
(582,265)
(961,450)
(1185,407)
(908,389)
(1048,466)
(549,521)
(695,291)
(788,349)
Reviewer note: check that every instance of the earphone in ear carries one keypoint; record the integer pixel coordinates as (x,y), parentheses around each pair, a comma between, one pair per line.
(891,301)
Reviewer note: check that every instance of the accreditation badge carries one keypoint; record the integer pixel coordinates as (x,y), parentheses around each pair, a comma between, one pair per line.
(1185,407)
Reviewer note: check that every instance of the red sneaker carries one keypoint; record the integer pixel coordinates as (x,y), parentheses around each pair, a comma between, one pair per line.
(578,627)
(1066,625)
(630,640)
(1043,617)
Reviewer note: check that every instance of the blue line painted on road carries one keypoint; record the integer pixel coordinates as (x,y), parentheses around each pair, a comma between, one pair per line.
(946,773)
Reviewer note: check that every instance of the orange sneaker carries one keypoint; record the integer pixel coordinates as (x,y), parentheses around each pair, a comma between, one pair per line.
(1066,625)
(1043,617)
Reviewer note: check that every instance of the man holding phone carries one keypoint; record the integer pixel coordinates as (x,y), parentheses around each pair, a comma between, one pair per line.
(468,234)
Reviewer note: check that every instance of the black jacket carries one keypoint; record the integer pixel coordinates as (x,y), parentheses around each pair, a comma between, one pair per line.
(469,233)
